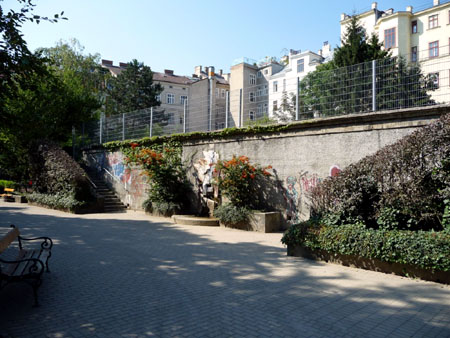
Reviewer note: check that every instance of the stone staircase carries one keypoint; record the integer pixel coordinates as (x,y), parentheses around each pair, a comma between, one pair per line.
(112,202)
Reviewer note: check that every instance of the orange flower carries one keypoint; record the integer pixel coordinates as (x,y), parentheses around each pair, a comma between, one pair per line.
(134,145)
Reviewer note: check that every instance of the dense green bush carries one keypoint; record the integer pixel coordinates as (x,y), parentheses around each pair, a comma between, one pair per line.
(232,214)
(405,185)
(426,249)
(56,175)
(58,201)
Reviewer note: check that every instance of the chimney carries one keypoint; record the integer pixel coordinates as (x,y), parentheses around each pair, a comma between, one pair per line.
(409,9)
(343,16)
(211,72)
(374,5)
(320,52)
(198,70)
(168,72)
(436,2)
(207,71)
(123,64)
(107,63)
(220,72)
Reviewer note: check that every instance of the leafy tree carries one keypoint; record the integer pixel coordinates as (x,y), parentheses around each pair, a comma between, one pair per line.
(78,70)
(286,112)
(133,89)
(357,48)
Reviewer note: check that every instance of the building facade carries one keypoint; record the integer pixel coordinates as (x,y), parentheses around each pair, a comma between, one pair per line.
(283,86)
(421,37)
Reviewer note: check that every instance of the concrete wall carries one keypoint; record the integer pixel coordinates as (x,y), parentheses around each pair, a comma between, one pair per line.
(302,156)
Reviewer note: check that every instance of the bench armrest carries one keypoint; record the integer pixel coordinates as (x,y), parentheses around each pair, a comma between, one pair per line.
(37,267)
(47,243)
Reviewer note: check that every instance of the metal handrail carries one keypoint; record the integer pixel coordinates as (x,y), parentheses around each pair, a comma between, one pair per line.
(109,173)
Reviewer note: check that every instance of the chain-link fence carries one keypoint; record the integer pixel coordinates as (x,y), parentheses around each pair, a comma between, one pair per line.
(415,80)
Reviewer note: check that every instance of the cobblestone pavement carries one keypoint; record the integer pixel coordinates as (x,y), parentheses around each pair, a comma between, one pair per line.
(131,275)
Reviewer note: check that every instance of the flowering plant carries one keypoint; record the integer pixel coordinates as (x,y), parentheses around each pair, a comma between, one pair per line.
(236,178)
(167,176)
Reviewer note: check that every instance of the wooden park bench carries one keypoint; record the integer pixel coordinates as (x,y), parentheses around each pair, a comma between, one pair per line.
(28,265)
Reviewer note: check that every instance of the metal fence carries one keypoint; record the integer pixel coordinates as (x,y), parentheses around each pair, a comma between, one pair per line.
(414,80)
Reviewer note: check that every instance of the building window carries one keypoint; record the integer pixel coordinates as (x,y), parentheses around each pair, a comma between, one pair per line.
(259,74)
(300,66)
(181,120)
(275,105)
(217,92)
(414,54)
(171,118)
(252,79)
(275,86)
(259,92)
(158,97)
(251,97)
(260,110)
(183,99)
(389,38)
(434,78)
(265,109)
(266,71)
(433,49)
(433,21)
(170,98)
(414,27)
(223,93)
(266,90)
(251,115)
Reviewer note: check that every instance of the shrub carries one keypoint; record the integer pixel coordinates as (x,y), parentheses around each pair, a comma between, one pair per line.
(426,249)
(403,185)
(56,175)
(166,173)
(236,180)
(232,214)
(60,201)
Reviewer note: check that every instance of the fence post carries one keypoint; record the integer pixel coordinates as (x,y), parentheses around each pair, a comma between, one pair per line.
(123,126)
(210,104)
(227,97)
(374,85)
(240,108)
(151,121)
(297,96)
(184,115)
(101,127)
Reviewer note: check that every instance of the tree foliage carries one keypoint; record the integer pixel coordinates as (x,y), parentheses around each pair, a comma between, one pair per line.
(133,89)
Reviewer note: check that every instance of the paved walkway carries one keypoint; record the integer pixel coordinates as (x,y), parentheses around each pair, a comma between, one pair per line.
(129,275)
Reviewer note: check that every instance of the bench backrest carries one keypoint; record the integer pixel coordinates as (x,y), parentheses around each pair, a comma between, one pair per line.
(8,238)
(8,190)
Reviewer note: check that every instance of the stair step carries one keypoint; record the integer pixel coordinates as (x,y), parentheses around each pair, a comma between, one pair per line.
(193,220)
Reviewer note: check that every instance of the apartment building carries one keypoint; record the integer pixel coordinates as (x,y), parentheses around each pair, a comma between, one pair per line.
(421,37)
(209,94)
(175,93)
(249,89)
(284,84)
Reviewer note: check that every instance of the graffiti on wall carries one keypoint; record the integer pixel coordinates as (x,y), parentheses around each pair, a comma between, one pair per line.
(204,169)
(298,189)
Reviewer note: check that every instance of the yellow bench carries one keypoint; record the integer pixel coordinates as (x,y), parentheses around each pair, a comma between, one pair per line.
(8,195)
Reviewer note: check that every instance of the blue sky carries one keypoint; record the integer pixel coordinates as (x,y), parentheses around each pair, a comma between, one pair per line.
(180,34)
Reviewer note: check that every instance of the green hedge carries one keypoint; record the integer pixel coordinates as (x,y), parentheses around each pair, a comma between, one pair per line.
(425,249)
